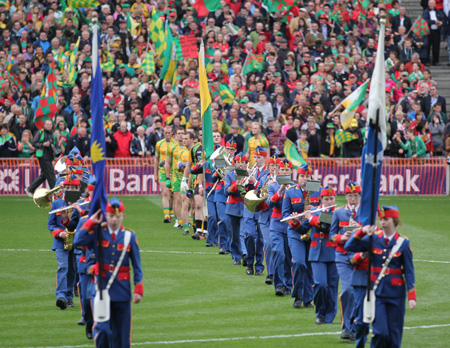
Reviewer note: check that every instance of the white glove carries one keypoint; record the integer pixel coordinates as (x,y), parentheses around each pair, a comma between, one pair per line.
(184,186)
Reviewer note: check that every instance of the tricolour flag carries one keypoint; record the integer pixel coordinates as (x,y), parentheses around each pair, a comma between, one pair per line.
(148,64)
(292,154)
(372,155)
(157,33)
(421,27)
(98,153)
(205,104)
(226,94)
(253,63)
(83,3)
(342,137)
(47,108)
(204,7)
(351,104)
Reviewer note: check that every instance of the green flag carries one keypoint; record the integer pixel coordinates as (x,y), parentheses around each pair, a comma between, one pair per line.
(108,66)
(253,63)
(291,153)
(351,104)
(83,3)
(343,137)
(170,63)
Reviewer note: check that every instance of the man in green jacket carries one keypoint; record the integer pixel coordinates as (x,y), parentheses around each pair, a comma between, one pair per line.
(414,146)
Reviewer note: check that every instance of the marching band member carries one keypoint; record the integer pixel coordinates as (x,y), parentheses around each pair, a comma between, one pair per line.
(393,284)
(254,242)
(116,332)
(59,225)
(84,261)
(235,208)
(282,276)
(173,175)
(294,203)
(322,255)
(345,218)
(160,178)
(264,217)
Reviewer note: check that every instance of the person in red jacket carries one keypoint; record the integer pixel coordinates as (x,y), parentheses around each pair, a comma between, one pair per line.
(123,137)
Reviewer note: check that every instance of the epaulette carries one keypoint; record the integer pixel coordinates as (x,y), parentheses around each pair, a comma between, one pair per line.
(289,187)
(85,216)
(126,228)
(401,235)
(378,232)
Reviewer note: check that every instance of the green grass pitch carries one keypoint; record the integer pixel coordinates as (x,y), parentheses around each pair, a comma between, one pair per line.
(195,297)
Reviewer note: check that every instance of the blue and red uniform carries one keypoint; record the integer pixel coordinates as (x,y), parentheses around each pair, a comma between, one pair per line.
(322,255)
(117,331)
(281,254)
(220,199)
(398,280)
(341,220)
(234,210)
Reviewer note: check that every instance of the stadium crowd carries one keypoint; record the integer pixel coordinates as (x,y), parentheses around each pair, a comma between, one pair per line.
(315,54)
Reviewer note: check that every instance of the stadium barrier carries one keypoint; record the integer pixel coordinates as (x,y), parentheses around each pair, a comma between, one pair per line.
(135,176)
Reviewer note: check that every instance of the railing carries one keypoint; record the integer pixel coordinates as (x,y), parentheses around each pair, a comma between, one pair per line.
(135,176)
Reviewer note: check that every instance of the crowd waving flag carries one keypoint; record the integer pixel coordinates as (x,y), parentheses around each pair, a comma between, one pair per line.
(47,108)
(351,104)
(204,7)
(291,153)
(156,33)
(205,104)
(98,153)
(83,3)
(421,27)
(253,63)
(343,137)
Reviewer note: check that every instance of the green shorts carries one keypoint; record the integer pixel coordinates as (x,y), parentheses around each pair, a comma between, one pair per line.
(162,177)
(176,185)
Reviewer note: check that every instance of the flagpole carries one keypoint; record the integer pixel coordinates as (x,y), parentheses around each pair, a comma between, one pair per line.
(97,228)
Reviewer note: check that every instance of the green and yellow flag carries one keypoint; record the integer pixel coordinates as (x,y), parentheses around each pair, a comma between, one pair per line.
(72,71)
(148,64)
(205,103)
(170,57)
(83,3)
(292,154)
(132,25)
(157,33)
(351,104)
(226,94)
(342,137)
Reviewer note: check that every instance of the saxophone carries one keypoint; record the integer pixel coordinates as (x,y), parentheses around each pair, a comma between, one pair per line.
(307,236)
(68,242)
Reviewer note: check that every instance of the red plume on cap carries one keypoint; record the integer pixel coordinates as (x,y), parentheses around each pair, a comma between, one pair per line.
(115,206)
(231,143)
(388,212)
(305,169)
(240,157)
(274,159)
(260,151)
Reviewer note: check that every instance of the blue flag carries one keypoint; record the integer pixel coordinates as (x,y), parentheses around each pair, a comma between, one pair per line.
(98,153)
(376,139)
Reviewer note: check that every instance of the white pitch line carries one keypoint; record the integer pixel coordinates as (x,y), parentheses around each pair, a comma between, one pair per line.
(182,252)
(225,339)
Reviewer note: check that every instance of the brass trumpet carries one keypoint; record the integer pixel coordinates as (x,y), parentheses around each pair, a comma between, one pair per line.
(244,182)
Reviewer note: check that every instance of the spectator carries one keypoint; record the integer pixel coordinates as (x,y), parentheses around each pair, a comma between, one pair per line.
(238,138)
(432,99)
(436,20)
(353,148)
(437,133)
(414,146)
(123,138)
(140,146)
(8,146)
(276,140)
(25,147)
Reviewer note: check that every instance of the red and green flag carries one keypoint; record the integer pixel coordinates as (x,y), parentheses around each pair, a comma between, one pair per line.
(421,27)
(253,63)
(204,7)
(47,108)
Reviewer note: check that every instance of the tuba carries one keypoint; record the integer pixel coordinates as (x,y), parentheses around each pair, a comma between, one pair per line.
(43,197)
(252,200)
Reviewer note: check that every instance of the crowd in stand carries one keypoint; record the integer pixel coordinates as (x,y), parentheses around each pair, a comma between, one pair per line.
(316,53)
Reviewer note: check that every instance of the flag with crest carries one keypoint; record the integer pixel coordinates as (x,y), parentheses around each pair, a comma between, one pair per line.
(253,63)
